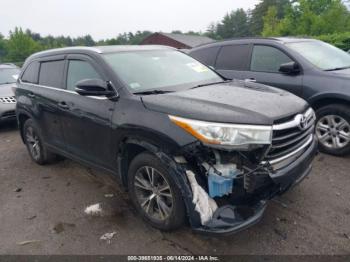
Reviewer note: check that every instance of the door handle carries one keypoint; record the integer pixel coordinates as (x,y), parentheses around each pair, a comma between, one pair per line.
(31,95)
(63,105)
(250,79)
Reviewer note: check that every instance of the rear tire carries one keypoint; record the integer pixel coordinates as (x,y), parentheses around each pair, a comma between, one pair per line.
(154,193)
(333,129)
(34,142)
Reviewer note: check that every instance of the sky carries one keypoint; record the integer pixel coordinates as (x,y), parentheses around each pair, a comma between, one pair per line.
(107,18)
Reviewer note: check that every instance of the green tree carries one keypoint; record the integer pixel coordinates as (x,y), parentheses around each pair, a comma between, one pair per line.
(271,22)
(126,38)
(2,48)
(260,10)
(20,46)
(86,40)
(315,17)
(234,24)
(176,32)
(135,39)
(35,36)
(212,31)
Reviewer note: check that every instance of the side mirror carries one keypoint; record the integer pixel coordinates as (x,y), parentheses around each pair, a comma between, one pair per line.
(93,87)
(290,68)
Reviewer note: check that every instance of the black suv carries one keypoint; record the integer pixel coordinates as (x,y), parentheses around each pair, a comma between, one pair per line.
(180,138)
(316,71)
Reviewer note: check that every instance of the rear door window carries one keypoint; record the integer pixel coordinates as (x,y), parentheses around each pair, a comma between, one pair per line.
(233,57)
(51,73)
(267,59)
(79,70)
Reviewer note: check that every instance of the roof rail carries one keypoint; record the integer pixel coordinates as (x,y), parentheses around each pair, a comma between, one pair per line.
(241,38)
(70,48)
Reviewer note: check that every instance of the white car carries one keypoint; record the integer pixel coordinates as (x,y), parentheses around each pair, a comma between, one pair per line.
(8,78)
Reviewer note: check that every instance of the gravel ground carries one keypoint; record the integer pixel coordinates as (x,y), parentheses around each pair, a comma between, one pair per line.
(44,205)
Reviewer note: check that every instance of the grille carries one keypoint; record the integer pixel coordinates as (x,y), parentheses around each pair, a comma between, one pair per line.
(290,139)
(8,100)
(9,114)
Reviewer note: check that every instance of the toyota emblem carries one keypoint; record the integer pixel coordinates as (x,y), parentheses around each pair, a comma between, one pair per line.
(303,122)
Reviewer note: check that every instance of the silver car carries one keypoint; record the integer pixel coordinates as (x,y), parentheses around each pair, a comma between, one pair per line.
(8,78)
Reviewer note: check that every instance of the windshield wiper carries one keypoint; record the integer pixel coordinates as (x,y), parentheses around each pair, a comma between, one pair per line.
(337,68)
(152,92)
(212,83)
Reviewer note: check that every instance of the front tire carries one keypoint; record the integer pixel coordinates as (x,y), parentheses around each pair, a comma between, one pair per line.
(34,142)
(154,193)
(333,129)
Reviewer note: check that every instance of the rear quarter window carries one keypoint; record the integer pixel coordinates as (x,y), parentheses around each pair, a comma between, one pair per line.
(206,56)
(233,57)
(31,73)
(51,73)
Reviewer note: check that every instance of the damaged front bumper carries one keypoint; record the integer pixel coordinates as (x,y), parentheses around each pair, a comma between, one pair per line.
(232,219)
(229,219)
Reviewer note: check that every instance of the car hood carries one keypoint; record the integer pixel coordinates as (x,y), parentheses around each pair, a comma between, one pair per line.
(236,102)
(341,73)
(6,90)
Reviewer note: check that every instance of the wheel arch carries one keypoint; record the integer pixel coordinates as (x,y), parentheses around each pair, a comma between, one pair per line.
(327,99)
(22,117)
(327,106)
(132,145)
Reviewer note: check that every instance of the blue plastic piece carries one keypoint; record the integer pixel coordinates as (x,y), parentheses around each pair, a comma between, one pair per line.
(219,185)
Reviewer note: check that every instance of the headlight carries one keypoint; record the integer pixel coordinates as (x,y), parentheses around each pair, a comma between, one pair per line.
(225,134)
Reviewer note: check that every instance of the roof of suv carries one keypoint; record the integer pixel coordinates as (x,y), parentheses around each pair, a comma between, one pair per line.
(100,49)
(292,39)
(259,40)
(8,66)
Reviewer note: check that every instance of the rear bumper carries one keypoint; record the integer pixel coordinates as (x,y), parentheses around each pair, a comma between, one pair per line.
(283,179)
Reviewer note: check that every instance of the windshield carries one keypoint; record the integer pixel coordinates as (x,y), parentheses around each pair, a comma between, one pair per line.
(322,55)
(8,75)
(166,70)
